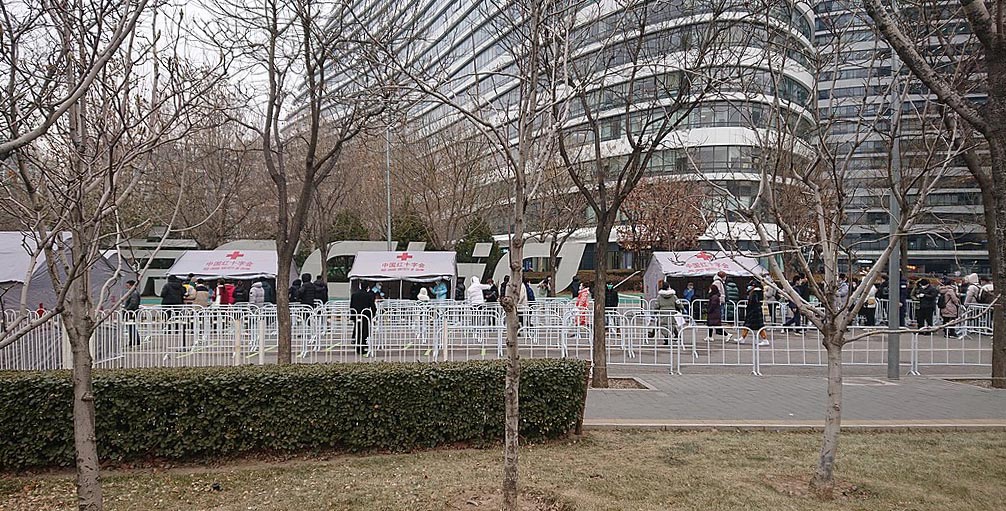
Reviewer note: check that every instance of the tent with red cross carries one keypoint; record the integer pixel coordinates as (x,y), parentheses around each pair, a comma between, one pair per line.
(701,263)
(423,267)
(231,264)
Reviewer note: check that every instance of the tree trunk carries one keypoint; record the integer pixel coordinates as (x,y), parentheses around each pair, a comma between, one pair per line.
(79,326)
(511,391)
(600,358)
(284,351)
(997,148)
(823,482)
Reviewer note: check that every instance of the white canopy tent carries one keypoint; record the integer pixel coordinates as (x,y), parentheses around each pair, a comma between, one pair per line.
(405,267)
(699,263)
(230,264)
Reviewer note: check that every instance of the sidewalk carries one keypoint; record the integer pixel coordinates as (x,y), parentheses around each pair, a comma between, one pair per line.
(705,401)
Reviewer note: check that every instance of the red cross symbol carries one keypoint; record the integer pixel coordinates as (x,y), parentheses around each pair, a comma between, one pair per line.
(234,255)
(704,256)
(405,256)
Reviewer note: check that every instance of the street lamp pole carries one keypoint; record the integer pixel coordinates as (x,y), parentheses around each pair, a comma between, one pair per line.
(894,263)
(387,181)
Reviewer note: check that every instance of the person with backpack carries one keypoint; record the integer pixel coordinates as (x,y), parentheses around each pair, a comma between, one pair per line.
(927,295)
(971,289)
(986,293)
(949,304)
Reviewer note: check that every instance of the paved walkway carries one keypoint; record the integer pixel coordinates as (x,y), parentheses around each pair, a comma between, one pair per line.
(779,402)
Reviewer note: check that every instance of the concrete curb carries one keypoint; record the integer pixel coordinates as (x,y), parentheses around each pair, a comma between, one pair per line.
(791,426)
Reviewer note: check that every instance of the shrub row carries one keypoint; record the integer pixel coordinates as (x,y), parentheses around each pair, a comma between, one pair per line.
(206,412)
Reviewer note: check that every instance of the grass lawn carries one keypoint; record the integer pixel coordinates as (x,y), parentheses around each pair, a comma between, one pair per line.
(600,471)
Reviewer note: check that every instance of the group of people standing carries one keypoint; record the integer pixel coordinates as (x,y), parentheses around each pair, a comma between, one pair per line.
(307,292)
(198,292)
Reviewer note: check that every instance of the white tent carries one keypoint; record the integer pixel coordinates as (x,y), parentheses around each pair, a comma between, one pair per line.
(405,267)
(231,264)
(696,264)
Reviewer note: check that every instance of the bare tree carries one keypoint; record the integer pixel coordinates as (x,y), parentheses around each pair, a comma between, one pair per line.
(510,107)
(818,154)
(665,215)
(609,142)
(72,181)
(556,213)
(942,66)
(323,86)
(443,172)
(45,68)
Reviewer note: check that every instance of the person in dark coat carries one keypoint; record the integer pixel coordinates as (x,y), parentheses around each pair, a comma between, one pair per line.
(927,295)
(173,292)
(754,317)
(363,304)
(270,291)
(610,297)
(574,286)
(714,313)
(320,290)
(295,291)
(308,292)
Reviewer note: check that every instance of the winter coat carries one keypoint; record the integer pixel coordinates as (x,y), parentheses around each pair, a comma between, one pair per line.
(610,297)
(172,293)
(474,293)
(753,317)
(842,296)
(688,294)
(927,296)
(320,290)
(871,298)
(582,303)
(667,299)
(363,302)
(951,309)
(423,296)
(492,295)
(132,300)
(733,293)
(714,314)
(241,294)
(202,296)
(718,282)
(307,294)
(189,294)
(256,295)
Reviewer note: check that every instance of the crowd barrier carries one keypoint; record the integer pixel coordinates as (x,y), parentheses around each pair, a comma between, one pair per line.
(440,331)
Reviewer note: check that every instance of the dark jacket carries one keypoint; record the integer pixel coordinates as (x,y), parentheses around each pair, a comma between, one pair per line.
(610,297)
(927,296)
(714,315)
(320,290)
(132,300)
(307,294)
(241,293)
(492,294)
(753,317)
(172,293)
(363,302)
(270,291)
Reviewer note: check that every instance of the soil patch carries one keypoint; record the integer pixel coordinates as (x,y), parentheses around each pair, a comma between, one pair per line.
(799,486)
(623,384)
(527,501)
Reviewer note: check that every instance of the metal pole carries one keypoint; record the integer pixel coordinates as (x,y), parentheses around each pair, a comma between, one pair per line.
(387,181)
(894,264)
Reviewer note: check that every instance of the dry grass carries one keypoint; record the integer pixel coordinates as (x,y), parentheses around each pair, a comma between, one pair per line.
(601,471)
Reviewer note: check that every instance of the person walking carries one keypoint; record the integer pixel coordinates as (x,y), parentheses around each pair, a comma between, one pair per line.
(800,286)
(714,314)
(582,305)
(131,304)
(927,295)
(950,306)
(256,294)
(667,304)
(754,318)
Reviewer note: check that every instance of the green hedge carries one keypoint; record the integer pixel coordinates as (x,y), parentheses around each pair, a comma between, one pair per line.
(205,412)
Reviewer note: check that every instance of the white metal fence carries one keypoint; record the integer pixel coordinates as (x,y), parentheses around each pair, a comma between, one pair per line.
(431,331)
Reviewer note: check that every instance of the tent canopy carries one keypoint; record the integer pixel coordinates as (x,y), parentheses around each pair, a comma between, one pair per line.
(697,264)
(232,264)
(407,266)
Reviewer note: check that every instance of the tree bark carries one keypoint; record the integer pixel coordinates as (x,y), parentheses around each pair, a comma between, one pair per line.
(79,327)
(284,351)
(823,482)
(997,148)
(600,355)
